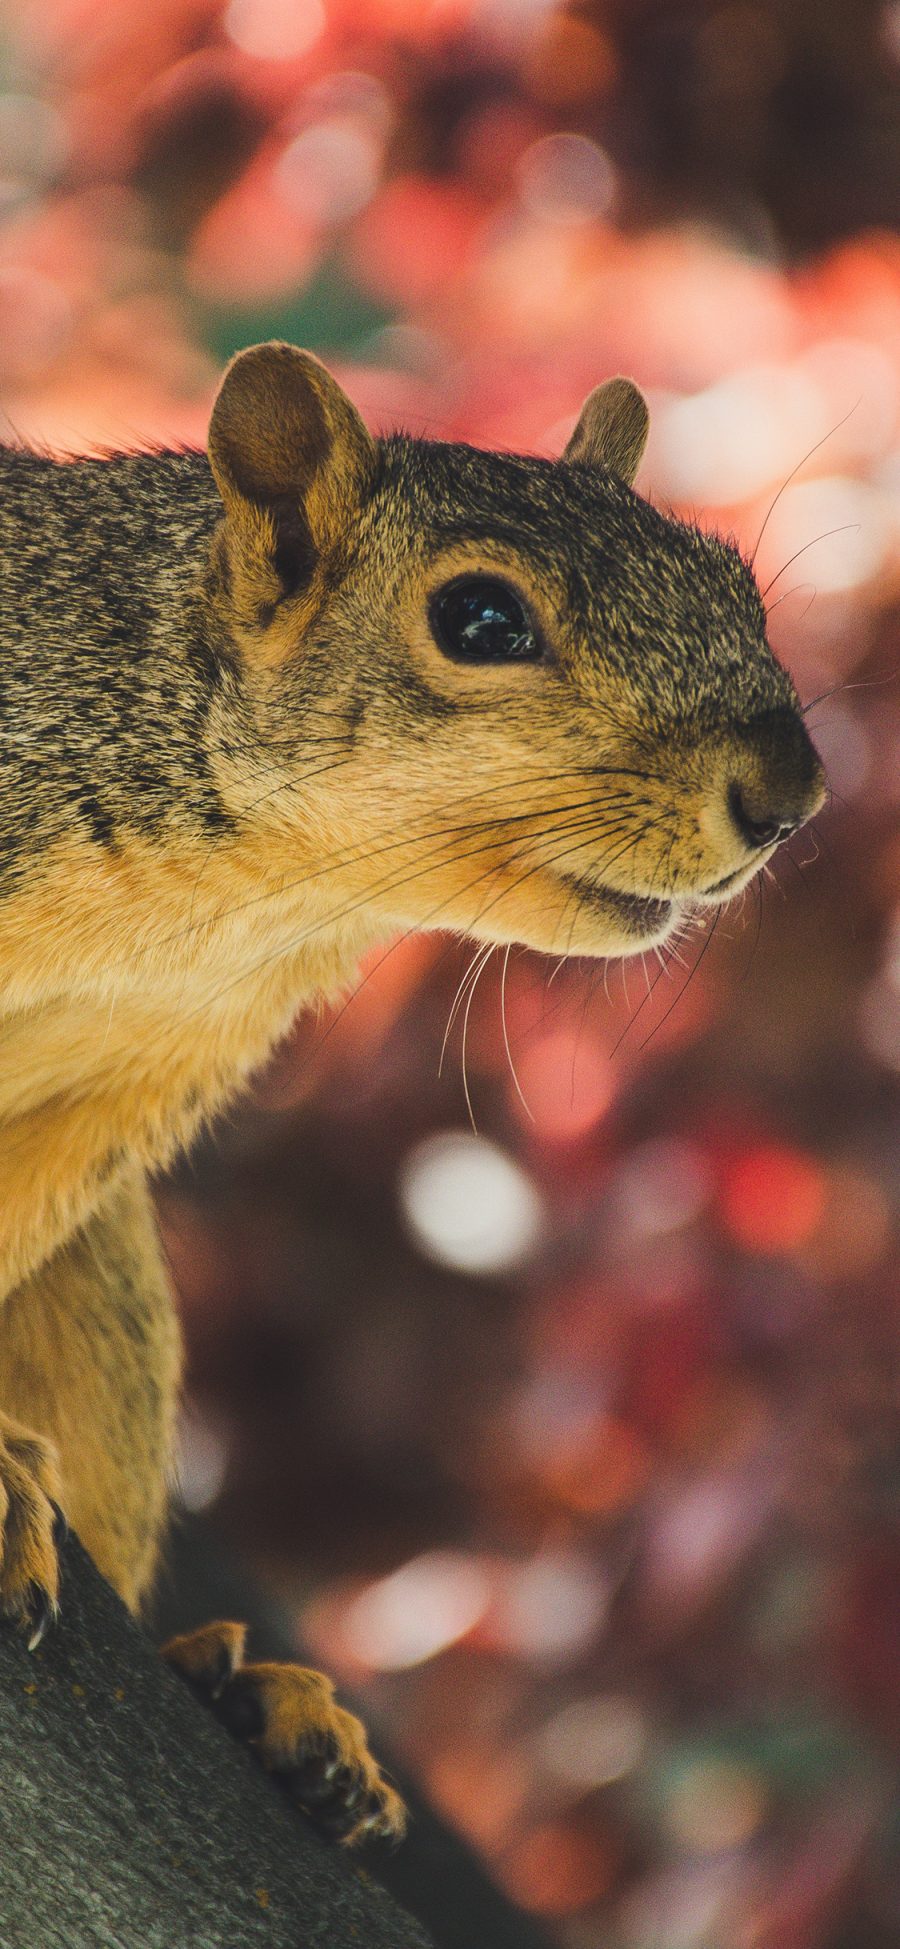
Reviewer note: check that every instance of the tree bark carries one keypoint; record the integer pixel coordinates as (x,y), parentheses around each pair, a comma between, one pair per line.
(129,1819)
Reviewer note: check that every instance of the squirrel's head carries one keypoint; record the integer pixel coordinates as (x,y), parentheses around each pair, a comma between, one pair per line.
(502,694)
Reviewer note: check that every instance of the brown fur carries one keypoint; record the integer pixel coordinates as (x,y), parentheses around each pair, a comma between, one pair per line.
(291,1716)
(234,755)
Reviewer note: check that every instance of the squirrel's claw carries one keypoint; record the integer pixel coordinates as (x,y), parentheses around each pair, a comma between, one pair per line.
(30,1518)
(41,1611)
(289,1714)
(344,1806)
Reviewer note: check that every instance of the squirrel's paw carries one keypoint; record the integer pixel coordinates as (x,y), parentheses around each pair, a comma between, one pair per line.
(289,1714)
(31,1527)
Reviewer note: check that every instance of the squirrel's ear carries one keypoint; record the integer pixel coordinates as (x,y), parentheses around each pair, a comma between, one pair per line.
(292,461)
(612,429)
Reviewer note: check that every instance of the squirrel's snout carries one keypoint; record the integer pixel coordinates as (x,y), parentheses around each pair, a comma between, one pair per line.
(759,822)
(780,783)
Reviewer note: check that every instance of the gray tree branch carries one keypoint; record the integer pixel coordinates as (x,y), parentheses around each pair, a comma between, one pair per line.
(129,1819)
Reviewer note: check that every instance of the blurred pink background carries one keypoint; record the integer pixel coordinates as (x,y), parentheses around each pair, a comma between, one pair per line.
(571,1438)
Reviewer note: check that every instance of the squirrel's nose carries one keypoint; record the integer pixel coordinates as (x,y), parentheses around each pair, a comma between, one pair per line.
(759,823)
(782,783)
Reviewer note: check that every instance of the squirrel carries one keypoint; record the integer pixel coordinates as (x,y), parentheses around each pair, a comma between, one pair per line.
(258,711)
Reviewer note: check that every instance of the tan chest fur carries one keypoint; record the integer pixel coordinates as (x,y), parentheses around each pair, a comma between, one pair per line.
(134,1001)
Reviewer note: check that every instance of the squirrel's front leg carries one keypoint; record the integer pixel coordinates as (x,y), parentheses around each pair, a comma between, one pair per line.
(291,1717)
(90,1361)
(31,1527)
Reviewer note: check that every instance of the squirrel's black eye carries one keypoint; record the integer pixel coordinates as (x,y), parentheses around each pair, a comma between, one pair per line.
(479,619)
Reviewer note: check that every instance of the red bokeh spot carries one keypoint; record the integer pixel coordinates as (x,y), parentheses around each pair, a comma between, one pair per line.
(415,238)
(598,1471)
(773,1198)
(251,246)
(567,1082)
(558,1869)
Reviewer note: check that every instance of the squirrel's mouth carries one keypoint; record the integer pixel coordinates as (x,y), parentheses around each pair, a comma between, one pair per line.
(637,913)
(722,890)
